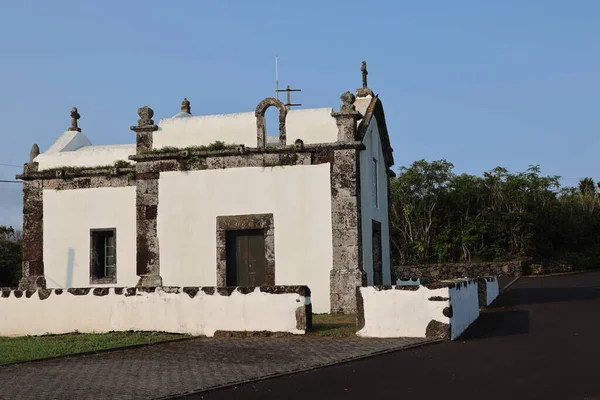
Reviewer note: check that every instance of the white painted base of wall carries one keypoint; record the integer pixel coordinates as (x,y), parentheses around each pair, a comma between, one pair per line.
(203,314)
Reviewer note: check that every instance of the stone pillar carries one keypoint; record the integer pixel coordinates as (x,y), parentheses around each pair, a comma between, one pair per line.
(347,273)
(147,255)
(33,234)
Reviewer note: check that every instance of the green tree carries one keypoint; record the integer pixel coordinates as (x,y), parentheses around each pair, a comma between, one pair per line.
(439,216)
(10,257)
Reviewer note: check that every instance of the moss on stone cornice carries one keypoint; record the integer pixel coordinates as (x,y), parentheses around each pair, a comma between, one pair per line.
(120,167)
(167,153)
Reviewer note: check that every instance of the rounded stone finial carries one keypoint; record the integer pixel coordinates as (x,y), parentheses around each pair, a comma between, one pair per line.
(347,98)
(34,152)
(347,103)
(74,117)
(186,106)
(145,113)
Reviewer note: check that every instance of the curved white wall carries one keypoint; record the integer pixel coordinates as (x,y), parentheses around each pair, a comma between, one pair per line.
(311,125)
(369,209)
(299,197)
(87,156)
(68,217)
(203,130)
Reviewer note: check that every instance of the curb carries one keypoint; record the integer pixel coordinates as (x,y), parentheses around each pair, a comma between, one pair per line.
(505,288)
(563,273)
(297,371)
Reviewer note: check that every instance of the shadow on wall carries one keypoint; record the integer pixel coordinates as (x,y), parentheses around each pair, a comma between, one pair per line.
(70,267)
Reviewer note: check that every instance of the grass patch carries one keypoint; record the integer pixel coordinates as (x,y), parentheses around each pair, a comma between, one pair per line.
(333,325)
(25,348)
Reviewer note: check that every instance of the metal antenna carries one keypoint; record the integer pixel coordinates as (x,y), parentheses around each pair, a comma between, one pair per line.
(289,104)
(276,79)
(287,90)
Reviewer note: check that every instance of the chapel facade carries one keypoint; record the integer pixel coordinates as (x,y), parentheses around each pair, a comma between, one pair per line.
(213,201)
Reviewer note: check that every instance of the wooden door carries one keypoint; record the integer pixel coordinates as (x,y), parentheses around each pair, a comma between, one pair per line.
(377,254)
(246,258)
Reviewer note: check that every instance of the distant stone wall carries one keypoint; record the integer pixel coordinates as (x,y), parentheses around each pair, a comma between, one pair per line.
(191,310)
(458,270)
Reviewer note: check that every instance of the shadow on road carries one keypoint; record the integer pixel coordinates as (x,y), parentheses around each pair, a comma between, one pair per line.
(523,296)
(498,323)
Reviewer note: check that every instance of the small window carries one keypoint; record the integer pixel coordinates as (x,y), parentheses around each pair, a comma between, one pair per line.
(103,255)
(375,183)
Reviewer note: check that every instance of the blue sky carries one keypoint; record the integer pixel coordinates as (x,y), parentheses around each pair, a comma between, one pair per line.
(479,83)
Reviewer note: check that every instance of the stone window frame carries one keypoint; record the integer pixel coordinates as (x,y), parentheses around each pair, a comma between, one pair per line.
(106,280)
(227,223)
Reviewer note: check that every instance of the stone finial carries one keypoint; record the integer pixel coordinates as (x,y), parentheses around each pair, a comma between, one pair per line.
(185,106)
(346,118)
(145,113)
(74,117)
(364,91)
(347,103)
(144,129)
(34,152)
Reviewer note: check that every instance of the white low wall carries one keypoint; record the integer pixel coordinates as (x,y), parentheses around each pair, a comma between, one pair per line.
(488,290)
(464,301)
(408,282)
(194,310)
(440,310)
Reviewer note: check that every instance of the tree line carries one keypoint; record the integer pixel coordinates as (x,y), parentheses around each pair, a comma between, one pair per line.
(439,216)
(10,256)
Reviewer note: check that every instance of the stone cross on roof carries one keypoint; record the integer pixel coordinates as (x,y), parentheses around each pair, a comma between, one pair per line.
(364,91)
(185,106)
(74,117)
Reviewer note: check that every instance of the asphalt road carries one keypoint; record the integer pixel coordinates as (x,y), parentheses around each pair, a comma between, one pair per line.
(539,340)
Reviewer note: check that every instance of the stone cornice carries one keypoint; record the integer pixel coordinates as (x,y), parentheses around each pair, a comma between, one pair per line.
(241,150)
(71,172)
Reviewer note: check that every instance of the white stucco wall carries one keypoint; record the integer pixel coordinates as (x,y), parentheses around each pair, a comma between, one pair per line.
(369,209)
(68,217)
(74,149)
(401,313)
(362,104)
(492,290)
(408,282)
(239,128)
(87,156)
(159,311)
(464,300)
(69,141)
(311,125)
(299,197)
(406,313)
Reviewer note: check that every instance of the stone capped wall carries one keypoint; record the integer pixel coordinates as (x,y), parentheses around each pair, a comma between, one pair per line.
(189,310)
(458,270)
